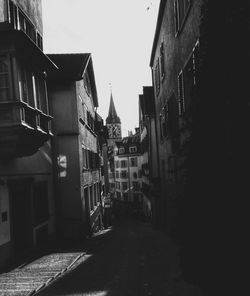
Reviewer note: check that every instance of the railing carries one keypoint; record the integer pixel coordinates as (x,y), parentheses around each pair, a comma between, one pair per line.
(18,20)
(19,113)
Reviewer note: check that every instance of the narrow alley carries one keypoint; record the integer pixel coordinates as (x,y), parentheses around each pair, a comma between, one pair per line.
(129,259)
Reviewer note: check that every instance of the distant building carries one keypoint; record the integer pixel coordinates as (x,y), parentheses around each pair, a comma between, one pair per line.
(113,125)
(128,172)
(27,208)
(149,156)
(73,102)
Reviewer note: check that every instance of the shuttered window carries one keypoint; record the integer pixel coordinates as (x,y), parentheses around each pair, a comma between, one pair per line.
(162,60)
(181,102)
(187,79)
(181,8)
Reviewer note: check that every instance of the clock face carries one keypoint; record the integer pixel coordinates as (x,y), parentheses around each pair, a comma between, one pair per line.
(114,131)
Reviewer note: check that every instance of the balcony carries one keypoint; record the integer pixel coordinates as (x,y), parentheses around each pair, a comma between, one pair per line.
(23,130)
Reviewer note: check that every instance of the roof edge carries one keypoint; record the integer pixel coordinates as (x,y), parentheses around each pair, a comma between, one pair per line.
(157,30)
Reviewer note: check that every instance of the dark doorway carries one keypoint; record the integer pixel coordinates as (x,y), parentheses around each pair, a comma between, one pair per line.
(22,235)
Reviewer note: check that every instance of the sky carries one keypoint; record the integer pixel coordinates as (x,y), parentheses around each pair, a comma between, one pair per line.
(119,35)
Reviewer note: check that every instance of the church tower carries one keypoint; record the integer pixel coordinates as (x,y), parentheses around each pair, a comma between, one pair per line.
(113,123)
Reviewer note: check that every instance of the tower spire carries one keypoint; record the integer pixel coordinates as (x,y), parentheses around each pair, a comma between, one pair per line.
(112,115)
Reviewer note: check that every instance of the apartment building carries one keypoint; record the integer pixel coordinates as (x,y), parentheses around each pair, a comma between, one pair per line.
(27,208)
(128,171)
(73,102)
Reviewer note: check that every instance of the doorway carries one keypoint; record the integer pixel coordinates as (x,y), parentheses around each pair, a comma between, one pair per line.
(22,236)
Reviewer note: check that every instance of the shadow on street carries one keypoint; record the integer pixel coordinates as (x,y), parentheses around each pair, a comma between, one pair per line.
(129,258)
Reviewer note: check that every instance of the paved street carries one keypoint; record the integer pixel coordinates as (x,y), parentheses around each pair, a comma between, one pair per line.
(129,259)
(30,278)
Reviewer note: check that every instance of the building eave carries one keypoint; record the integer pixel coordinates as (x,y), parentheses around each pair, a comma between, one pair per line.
(157,30)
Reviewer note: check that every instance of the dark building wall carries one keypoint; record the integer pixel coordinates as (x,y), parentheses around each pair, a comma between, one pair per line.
(37,169)
(76,147)
(177,48)
(64,105)
(203,205)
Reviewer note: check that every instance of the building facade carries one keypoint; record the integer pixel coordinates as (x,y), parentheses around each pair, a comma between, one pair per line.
(200,126)
(27,210)
(73,102)
(128,172)
(149,156)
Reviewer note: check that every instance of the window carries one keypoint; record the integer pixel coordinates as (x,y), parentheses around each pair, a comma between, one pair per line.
(124,185)
(85,112)
(21,22)
(87,84)
(176,16)
(117,163)
(117,185)
(90,121)
(181,102)
(136,186)
(121,150)
(41,92)
(123,175)
(125,196)
(162,61)
(187,79)
(160,124)
(181,8)
(26,88)
(4,79)
(133,161)
(135,175)
(91,197)
(85,159)
(133,149)
(157,77)
(124,163)
(165,120)
(117,174)
(95,194)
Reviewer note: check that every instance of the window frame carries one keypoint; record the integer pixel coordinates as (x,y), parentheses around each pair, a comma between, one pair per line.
(121,150)
(6,59)
(162,61)
(132,149)
(181,11)
(134,159)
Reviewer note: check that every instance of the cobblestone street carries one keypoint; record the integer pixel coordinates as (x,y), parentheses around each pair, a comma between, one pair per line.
(129,259)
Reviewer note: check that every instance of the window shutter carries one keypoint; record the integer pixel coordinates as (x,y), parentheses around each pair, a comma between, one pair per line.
(176,16)
(181,93)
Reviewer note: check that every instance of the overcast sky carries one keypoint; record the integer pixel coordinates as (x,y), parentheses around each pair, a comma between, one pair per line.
(118,34)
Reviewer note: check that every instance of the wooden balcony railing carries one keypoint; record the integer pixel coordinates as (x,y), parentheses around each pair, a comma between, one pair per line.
(23,129)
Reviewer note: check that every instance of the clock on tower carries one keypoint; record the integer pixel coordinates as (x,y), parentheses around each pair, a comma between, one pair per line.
(114,131)
(113,122)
